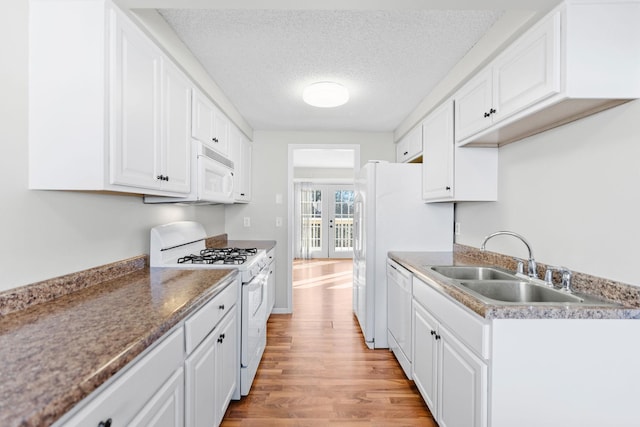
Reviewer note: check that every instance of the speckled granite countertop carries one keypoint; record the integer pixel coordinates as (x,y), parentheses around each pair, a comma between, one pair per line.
(56,352)
(627,296)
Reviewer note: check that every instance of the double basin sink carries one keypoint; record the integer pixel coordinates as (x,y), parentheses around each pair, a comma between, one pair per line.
(495,285)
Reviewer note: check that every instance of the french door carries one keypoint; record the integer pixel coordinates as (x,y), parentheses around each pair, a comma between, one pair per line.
(324,221)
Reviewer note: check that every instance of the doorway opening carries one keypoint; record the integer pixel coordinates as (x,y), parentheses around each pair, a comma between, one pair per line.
(325,228)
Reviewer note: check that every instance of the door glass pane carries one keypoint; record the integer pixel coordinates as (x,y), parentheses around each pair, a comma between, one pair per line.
(343,215)
(311,210)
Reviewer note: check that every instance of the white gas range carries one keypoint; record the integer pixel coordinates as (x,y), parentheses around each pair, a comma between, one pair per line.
(182,244)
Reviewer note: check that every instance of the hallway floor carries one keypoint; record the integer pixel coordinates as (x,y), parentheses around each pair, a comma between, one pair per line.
(316,369)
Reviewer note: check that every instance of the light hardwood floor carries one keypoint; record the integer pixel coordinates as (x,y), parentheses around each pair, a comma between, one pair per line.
(316,369)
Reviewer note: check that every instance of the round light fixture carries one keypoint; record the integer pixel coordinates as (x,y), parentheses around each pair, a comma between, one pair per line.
(325,94)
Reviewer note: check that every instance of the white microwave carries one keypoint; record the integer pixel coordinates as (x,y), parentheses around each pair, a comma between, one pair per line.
(211,179)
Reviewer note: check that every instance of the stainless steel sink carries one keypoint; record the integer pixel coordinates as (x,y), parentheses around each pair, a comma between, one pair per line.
(498,286)
(460,272)
(518,291)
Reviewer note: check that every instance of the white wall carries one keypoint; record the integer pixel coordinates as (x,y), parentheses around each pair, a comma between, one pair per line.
(270,168)
(319,174)
(49,233)
(573,192)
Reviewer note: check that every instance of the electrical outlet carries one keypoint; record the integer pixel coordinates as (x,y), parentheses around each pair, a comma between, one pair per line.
(247,221)
(278,221)
(278,199)
(456,229)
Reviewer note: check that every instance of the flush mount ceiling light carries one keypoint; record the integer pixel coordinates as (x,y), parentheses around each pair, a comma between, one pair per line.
(325,94)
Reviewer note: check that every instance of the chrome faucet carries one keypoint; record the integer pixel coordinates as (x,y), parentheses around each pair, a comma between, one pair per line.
(532,269)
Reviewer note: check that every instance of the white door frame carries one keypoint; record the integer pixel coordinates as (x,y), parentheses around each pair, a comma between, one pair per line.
(291,202)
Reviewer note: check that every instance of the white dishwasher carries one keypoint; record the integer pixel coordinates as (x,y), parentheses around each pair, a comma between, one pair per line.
(399,282)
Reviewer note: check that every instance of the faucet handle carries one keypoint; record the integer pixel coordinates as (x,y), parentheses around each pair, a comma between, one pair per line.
(548,275)
(566,279)
(520,266)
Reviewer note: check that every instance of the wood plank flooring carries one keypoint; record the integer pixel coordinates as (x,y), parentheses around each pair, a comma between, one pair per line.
(316,369)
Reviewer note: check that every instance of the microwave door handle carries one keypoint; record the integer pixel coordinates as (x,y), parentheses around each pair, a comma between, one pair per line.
(228,184)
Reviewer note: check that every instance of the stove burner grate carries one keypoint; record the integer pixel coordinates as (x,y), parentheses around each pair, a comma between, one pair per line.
(229,256)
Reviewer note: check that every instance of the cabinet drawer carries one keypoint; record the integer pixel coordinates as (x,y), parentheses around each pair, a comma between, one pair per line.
(128,394)
(469,328)
(198,326)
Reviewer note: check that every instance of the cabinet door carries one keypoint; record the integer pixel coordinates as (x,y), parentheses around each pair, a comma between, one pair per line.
(240,149)
(425,355)
(176,130)
(134,108)
(200,384)
(221,125)
(247,153)
(410,146)
(227,360)
(529,71)
(166,407)
(438,154)
(473,105)
(202,118)
(462,385)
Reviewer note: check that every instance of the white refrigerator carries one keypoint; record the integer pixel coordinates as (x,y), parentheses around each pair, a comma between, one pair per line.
(389,215)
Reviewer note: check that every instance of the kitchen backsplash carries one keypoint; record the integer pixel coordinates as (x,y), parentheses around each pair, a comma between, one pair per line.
(619,292)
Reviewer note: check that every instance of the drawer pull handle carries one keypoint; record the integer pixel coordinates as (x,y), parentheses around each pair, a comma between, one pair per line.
(221,306)
(105,423)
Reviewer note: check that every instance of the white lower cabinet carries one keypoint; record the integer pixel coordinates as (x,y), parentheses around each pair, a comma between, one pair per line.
(211,375)
(150,387)
(425,356)
(552,372)
(168,386)
(227,366)
(451,378)
(166,408)
(462,384)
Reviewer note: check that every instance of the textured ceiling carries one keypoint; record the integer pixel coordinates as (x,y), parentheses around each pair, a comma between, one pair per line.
(388,59)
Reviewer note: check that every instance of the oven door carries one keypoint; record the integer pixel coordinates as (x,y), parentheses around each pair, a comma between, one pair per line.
(253,323)
(215,181)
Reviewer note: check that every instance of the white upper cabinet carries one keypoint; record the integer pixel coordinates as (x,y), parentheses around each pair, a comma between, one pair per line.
(135,98)
(409,148)
(473,103)
(581,58)
(210,125)
(176,128)
(241,152)
(529,71)
(437,155)
(451,173)
(113,114)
